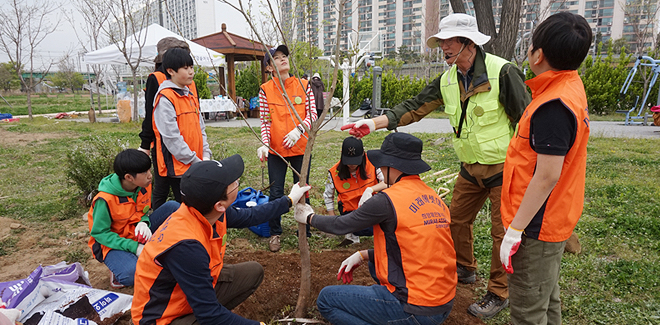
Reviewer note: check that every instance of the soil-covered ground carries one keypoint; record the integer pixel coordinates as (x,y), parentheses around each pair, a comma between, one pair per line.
(276,298)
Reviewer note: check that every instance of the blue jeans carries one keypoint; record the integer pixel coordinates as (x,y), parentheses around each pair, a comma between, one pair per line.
(354,305)
(122,263)
(277,169)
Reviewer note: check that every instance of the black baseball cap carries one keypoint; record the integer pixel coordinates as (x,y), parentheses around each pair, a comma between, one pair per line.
(282,48)
(204,182)
(352,151)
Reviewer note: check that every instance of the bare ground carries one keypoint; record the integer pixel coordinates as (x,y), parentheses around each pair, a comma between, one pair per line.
(275,298)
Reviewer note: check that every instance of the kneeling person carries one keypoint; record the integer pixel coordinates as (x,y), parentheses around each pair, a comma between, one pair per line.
(180,276)
(414,283)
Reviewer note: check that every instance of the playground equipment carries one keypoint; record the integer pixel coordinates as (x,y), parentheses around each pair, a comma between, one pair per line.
(639,110)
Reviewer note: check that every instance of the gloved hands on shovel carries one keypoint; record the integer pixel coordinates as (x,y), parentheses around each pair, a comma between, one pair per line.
(345,272)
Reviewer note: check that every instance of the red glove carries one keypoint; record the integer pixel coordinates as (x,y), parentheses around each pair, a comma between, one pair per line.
(509,246)
(360,128)
(347,266)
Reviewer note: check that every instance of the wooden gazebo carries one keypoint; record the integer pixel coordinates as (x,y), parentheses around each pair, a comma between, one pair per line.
(235,48)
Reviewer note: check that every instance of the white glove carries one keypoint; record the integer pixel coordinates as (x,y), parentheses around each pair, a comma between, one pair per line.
(509,246)
(297,192)
(302,211)
(360,128)
(139,249)
(346,268)
(368,193)
(142,232)
(262,153)
(291,138)
(146,151)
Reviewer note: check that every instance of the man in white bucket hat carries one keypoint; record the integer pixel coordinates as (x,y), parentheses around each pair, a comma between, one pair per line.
(484,96)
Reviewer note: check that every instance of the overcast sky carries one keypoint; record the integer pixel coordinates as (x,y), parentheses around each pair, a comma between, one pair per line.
(64,40)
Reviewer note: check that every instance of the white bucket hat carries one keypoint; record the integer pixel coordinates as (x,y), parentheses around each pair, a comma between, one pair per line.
(458,25)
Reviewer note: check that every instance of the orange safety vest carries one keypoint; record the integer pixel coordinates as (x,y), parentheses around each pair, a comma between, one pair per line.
(160,77)
(282,119)
(555,221)
(187,118)
(158,301)
(417,262)
(125,214)
(350,190)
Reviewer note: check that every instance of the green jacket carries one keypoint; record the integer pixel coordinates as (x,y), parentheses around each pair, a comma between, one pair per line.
(101,230)
(513,95)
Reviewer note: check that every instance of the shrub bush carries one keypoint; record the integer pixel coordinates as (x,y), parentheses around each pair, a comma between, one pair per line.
(89,162)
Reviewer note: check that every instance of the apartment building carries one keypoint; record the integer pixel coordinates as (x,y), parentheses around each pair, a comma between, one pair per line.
(189,18)
(411,22)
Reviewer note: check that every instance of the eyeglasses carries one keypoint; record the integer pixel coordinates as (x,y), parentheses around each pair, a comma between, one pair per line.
(448,42)
(238,184)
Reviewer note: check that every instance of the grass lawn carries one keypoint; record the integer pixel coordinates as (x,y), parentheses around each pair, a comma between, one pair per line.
(56,103)
(615,280)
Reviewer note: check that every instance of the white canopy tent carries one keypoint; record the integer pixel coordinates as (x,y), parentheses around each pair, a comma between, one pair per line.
(148,39)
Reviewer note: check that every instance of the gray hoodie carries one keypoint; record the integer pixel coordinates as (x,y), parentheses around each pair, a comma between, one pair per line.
(165,119)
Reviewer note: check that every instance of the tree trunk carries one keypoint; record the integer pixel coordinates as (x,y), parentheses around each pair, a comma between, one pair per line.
(486,22)
(457,6)
(505,44)
(304,293)
(135,95)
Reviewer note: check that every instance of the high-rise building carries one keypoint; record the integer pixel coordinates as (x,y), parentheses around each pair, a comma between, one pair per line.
(189,18)
(410,22)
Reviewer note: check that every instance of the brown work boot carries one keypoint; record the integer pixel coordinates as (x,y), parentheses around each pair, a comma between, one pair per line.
(274,243)
(464,275)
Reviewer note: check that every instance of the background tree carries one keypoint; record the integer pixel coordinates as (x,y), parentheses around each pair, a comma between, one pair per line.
(248,80)
(407,55)
(95,16)
(23,26)
(200,82)
(303,54)
(67,76)
(502,43)
(130,19)
(640,19)
(8,78)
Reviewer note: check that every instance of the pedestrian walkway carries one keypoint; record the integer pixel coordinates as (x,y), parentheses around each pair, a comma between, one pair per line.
(430,125)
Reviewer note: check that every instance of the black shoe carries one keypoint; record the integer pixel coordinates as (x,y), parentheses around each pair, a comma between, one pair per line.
(465,276)
(488,306)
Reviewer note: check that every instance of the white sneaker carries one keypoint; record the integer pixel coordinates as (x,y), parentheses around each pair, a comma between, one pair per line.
(355,239)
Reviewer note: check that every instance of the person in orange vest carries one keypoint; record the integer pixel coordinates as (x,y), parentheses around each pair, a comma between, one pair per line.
(545,168)
(355,180)
(179,130)
(119,219)
(180,277)
(161,185)
(413,260)
(281,131)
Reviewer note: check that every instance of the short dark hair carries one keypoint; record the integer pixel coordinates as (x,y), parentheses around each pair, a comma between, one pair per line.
(203,206)
(565,39)
(175,59)
(132,162)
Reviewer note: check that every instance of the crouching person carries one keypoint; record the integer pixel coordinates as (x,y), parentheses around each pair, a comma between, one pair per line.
(180,276)
(413,260)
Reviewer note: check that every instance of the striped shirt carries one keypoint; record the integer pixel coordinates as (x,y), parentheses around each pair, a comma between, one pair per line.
(264,113)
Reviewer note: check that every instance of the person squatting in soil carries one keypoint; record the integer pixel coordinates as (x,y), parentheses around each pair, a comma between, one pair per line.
(280,129)
(180,276)
(414,284)
(545,170)
(355,180)
(119,223)
(161,185)
(178,125)
(484,96)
